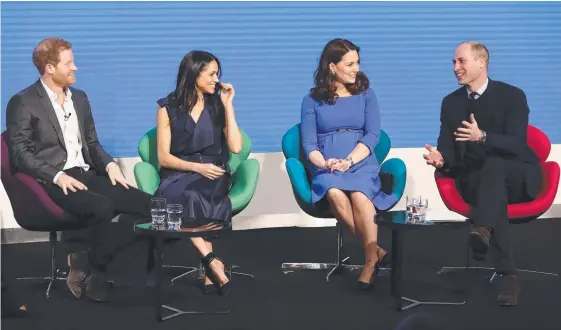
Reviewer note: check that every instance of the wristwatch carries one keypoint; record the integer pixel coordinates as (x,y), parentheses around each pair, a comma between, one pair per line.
(483,137)
(350,160)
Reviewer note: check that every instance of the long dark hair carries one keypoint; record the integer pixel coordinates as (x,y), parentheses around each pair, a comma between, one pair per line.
(333,52)
(189,70)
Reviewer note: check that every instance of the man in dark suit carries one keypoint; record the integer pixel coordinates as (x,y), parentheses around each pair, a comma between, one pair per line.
(482,145)
(52,137)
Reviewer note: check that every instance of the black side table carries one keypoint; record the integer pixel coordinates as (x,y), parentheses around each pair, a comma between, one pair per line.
(397,222)
(157,236)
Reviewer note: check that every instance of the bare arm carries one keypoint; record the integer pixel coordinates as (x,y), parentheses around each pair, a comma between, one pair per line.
(232,131)
(165,158)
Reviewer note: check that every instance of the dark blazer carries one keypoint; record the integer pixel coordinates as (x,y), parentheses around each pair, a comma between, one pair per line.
(505,126)
(35,138)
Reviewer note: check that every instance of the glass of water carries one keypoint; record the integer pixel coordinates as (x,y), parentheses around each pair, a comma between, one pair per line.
(175,215)
(412,203)
(422,210)
(158,211)
(416,209)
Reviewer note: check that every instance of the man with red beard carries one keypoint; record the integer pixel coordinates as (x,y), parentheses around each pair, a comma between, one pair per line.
(52,137)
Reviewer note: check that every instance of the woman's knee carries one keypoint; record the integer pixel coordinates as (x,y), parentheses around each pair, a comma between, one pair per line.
(337,198)
(361,203)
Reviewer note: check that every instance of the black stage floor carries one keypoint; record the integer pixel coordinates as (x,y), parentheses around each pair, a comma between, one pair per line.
(301,300)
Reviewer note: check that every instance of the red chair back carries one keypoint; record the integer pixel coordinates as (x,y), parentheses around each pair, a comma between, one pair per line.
(539,143)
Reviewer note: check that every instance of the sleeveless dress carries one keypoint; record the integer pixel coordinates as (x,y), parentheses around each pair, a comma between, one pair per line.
(204,200)
(335,130)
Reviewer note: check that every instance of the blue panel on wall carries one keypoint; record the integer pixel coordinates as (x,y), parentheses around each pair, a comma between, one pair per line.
(128,53)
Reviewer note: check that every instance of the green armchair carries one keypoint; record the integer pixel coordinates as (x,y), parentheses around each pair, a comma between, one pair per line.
(245,173)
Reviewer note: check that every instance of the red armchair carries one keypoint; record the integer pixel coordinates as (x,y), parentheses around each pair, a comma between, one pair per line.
(517,213)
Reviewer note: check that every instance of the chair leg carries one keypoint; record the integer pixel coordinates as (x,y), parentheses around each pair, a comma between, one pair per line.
(55,274)
(335,268)
(190,270)
(199,272)
(452,269)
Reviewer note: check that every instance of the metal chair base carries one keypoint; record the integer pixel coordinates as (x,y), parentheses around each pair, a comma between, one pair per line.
(199,272)
(59,276)
(179,312)
(338,267)
(451,269)
(335,268)
(190,270)
(414,303)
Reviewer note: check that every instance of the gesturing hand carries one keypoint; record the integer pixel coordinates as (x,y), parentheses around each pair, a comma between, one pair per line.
(227,94)
(471,132)
(434,157)
(65,182)
(210,171)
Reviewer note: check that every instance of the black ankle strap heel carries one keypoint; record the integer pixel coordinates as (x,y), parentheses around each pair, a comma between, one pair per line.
(206,260)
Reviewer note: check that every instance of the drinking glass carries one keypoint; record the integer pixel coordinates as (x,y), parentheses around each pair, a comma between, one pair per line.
(422,210)
(158,211)
(175,215)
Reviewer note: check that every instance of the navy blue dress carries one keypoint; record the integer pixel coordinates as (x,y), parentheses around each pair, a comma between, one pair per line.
(334,130)
(204,200)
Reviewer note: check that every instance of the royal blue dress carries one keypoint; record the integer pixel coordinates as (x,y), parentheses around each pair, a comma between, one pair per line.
(335,130)
(204,200)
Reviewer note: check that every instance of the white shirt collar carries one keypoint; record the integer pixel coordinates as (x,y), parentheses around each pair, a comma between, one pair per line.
(481,89)
(52,95)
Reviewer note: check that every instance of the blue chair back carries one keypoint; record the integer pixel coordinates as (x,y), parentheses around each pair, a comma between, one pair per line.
(297,163)
(292,148)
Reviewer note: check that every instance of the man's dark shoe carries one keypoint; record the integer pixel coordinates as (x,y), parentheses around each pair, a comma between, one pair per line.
(479,240)
(79,269)
(509,290)
(97,287)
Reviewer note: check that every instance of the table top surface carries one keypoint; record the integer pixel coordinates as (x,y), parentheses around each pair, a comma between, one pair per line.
(147,228)
(399,219)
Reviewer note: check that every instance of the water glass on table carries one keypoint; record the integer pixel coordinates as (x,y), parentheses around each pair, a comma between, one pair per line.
(158,211)
(416,209)
(175,216)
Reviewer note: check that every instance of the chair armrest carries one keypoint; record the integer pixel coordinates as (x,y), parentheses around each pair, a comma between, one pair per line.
(30,192)
(450,195)
(396,167)
(299,180)
(244,183)
(545,198)
(147,177)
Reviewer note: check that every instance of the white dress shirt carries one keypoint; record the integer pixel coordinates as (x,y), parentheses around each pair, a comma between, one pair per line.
(68,121)
(480,91)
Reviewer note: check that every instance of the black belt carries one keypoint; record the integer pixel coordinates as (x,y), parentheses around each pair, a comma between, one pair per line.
(203,159)
(75,170)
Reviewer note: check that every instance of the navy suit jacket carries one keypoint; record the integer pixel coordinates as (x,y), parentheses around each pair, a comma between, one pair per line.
(506,127)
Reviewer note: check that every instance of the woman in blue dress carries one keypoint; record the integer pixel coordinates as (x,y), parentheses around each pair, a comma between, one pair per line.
(196,129)
(340,127)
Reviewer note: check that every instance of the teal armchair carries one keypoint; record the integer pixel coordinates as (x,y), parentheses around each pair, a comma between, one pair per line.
(245,174)
(296,166)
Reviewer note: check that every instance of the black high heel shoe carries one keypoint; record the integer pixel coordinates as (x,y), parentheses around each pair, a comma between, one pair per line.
(208,288)
(385,262)
(363,286)
(222,289)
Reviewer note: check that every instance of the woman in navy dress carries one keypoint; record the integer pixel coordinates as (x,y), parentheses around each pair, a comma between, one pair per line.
(196,130)
(340,127)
